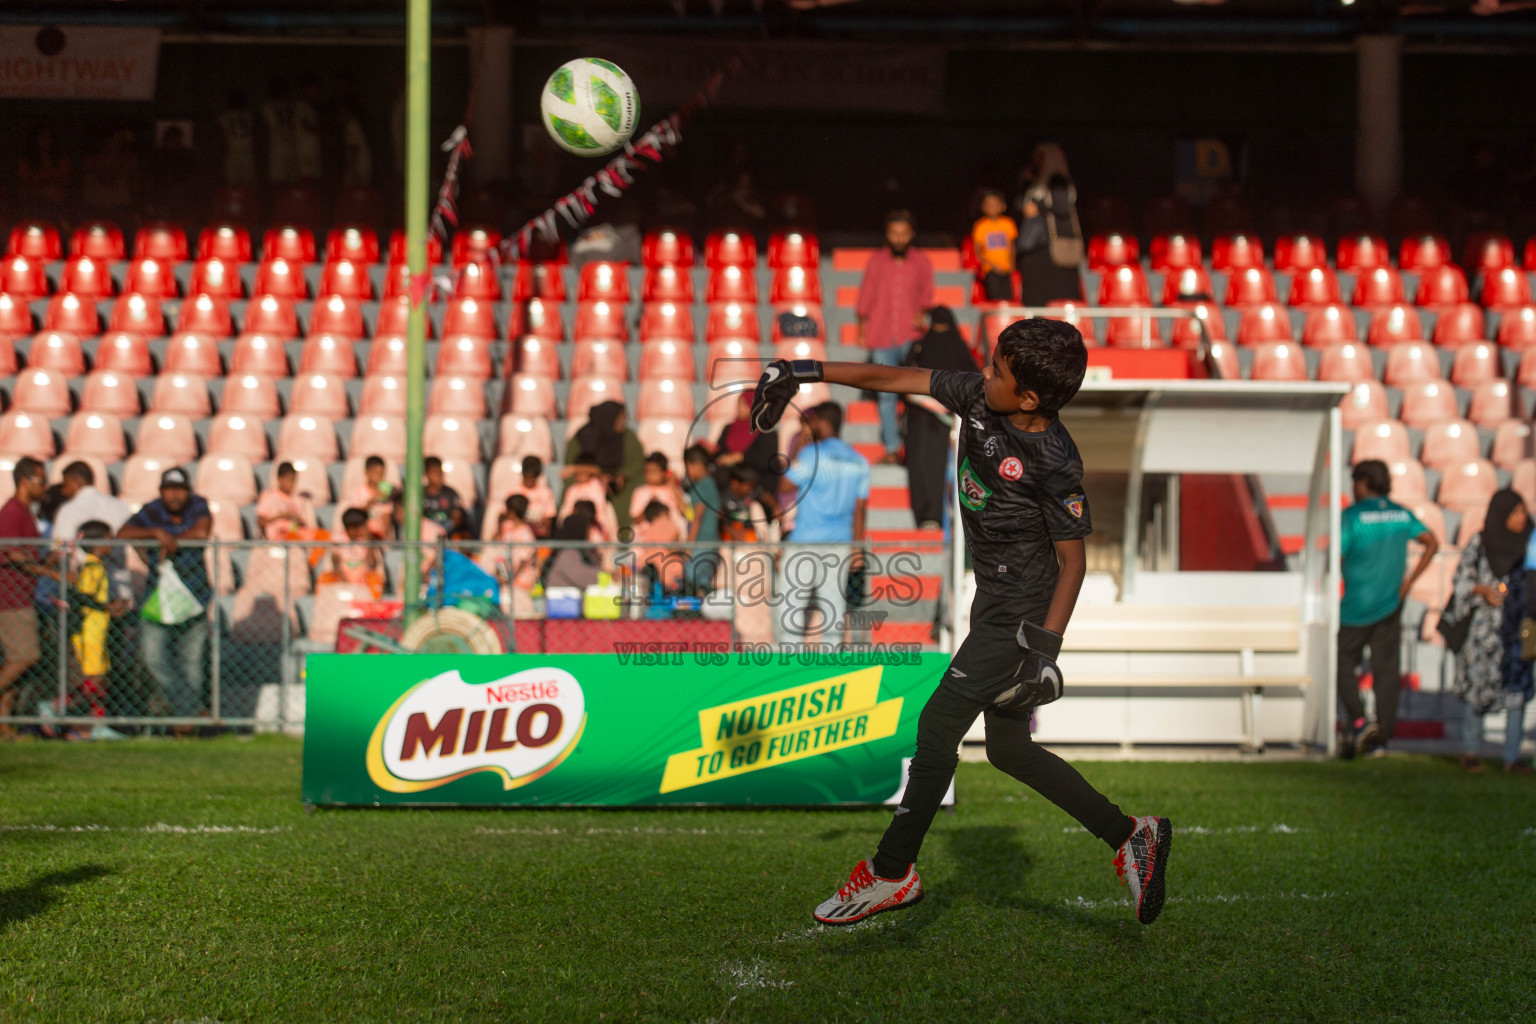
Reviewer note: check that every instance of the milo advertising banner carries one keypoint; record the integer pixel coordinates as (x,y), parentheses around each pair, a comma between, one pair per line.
(606,730)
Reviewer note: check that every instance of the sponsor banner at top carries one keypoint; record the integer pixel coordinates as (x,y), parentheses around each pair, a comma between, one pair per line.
(78,62)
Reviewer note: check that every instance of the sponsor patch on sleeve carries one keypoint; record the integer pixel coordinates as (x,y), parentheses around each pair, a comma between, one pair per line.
(1074,503)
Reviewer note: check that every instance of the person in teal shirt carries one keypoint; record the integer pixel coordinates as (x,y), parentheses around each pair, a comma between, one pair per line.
(1374,547)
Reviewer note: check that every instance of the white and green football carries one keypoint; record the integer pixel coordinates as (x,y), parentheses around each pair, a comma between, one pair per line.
(590,106)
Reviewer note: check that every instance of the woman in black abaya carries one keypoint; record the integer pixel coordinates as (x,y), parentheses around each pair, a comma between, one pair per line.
(941,348)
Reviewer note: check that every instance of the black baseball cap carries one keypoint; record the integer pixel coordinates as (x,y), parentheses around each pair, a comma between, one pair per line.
(175,477)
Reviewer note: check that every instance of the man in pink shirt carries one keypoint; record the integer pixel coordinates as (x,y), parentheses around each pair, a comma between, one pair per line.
(897,289)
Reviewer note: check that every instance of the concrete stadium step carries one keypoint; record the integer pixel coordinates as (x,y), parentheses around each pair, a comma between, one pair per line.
(934,537)
(927,587)
(889,498)
(906,632)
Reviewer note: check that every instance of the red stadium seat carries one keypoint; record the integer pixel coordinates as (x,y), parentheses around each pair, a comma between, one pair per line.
(1363,252)
(1268,322)
(728,360)
(670,359)
(1380,439)
(387,356)
(168,435)
(1133,332)
(1522,480)
(600,358)
(731,320)
(665,399)
(23,278)
(1366,401)
(217,277)
(58,351)
(377,435)
(731,284)
(1505,288)
(72,313)
(1511,443)
(1124,286)
(1187,285)
(1448,442)
(1428,401)
(1442,286)
(315,437)
(269,314)
(226,478)
(1296,254)
(538,281)
(26,433)
(1394,324)
(797,284)
(238,434)
(36,240)
(250,394)
(87,278)
(329,353)
(465,356)
(1476,362)
(1251,286)
(1236,252)
(1224,355)
(352,242)
(1380,287)
(520,436)
(1328,325)
(97,435)
(151,277)
(41,391)
(383,395)
(457,396)
(126,353)
(730,249)
(289,242)
(1424,252)
(15,316)
(1489,253)
(1529,260)
(668,436)
(1316,286)
(346,278)
(1517,327)
(161,241)
(8,360)
(599,320)
(537,357)
(451,437)
(110,392)
(608,282)
(99,240)
(1456,325)
(1429,514)
(1071,313)
(1175,252)
(225,242)
(1410,362)
(1468,484)
(282,278)
(395,316)
(397,249)
(475,243)
(536,317)
(319,394)
(208,315)
(531,396)
(477,279)
(1348,362)
(666,320)
(668,283)
(337,316)
(1279,360)
(182,393)
(587,392)
(469,316)
(666,246)
(1106,252)
(141,478)
(793,249)
(397,281)
(1493,402)
(260,354)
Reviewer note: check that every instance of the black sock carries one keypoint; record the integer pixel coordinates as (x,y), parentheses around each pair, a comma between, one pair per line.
(884,867)
(1118,839)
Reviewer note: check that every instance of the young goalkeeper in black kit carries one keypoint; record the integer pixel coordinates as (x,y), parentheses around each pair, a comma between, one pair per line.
(1025,517)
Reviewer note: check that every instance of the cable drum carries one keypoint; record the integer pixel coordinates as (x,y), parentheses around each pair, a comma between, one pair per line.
(452,631)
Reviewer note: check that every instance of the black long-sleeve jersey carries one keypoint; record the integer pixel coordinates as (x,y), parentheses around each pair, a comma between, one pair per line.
(1019,492)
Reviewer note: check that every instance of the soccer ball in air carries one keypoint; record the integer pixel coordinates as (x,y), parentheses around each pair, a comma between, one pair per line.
(590,106)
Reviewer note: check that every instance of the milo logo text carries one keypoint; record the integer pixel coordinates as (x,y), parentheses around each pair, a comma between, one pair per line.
(973,493)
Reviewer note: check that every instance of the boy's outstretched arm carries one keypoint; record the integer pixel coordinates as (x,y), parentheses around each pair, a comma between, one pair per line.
(900,380)
(1073,556)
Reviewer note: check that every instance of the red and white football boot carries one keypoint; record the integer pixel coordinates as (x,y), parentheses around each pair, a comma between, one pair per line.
(866,894)
(1141,862)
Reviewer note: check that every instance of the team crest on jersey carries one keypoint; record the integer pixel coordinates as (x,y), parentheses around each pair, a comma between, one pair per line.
(973,493)
(990,447)
(1011,468)
(1074,503)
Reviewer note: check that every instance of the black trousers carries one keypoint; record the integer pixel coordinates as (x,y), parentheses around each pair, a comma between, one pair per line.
(987,659)
(927,452)
(1384,639)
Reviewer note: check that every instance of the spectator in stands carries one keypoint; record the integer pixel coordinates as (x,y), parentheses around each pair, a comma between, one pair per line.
(282,511)
(20,568)
(377,497)
(897,288)
(941,348)
(439,502)
(238,132)
(1374,536)
(833,481)
(574,566)
(1050,240)
(282,142)
(175,654)
(357,561)
(746,514)
(657,524)
(514,558)
(541,500)
(659,486)
(606,437)
(42,176)
(91,612)
(992,238)
(587,482)
(83,504)
(431,532)
(740,445)
(1489,592)
(703,512)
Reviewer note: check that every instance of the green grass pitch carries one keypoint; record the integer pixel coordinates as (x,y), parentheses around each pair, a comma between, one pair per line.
(154,881)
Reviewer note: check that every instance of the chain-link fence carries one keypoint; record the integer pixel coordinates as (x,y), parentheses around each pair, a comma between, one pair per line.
(113,636)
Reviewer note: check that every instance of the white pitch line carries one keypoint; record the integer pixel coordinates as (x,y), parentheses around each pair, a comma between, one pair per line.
(752,974)
(1279,828)
(619,831)
(159,828)
(869,924)
(1083,903)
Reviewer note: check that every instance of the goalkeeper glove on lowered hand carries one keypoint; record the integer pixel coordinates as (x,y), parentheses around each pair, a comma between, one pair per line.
(777,386)
(1037,680)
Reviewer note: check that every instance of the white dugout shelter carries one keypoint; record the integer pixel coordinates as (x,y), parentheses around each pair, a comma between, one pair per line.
(1194,627)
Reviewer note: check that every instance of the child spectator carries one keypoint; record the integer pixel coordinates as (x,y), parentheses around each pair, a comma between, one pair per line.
(91,611)
(376,497)
(513,559)
(438,500)
(359,561)
(993,237)
(587,482)
(541,500)
(284,514)
(431,532)
(661,487)
(657,523)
